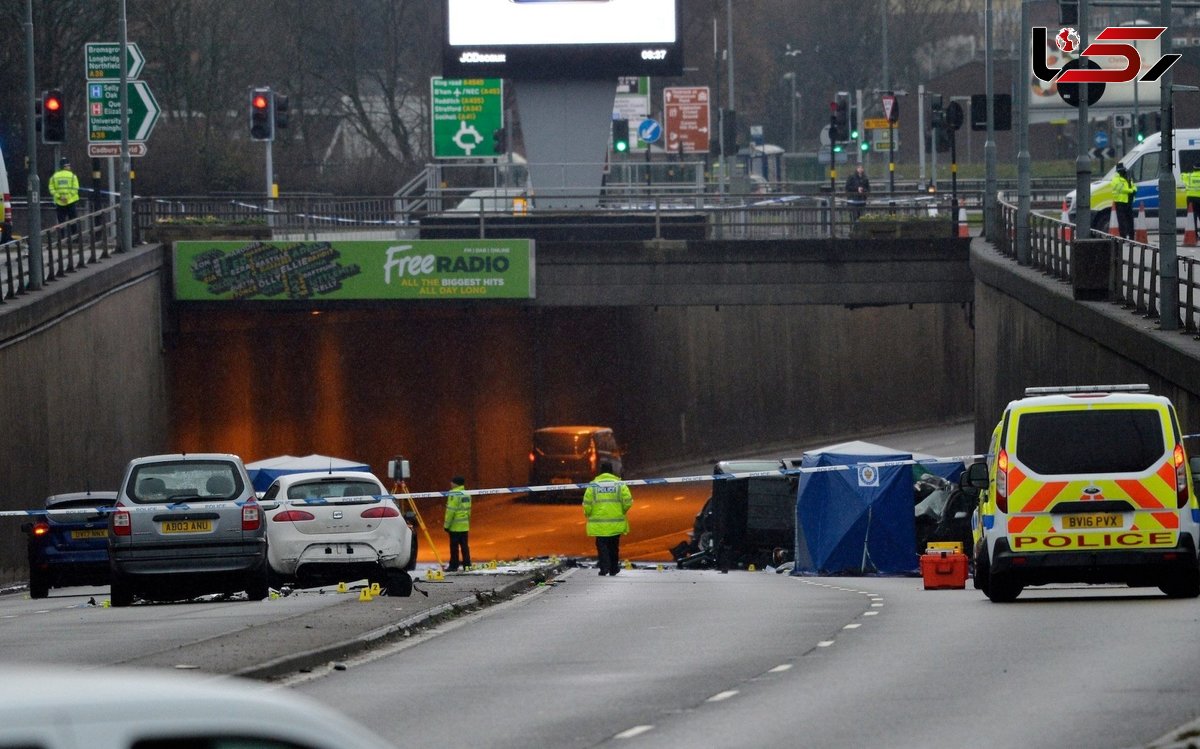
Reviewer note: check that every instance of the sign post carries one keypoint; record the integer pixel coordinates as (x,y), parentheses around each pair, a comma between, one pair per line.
(687,115)
(891,112)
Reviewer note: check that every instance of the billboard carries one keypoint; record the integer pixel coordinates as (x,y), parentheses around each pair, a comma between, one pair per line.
(561,39)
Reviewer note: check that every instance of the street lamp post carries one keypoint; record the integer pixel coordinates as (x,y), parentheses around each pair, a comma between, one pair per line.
(791,77)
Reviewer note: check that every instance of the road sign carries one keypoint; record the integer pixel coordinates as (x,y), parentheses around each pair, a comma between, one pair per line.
(890,111)
(103,61)
(1100,139)
(649,131)
(104,150)
(688,119)
(1102,153)
(104,111)
(876,123)
(465,113)
(632,103)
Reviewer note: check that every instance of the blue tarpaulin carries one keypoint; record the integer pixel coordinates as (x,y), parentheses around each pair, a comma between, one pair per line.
(858,520)
(263,472)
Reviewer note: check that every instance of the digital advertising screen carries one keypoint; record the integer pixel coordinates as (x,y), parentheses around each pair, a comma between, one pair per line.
(561,39)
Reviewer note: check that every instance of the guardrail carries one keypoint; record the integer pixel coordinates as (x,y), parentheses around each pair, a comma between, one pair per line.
(1134,280)
(66,247)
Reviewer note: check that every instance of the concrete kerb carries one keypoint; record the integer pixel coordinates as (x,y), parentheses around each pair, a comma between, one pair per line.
(358,643)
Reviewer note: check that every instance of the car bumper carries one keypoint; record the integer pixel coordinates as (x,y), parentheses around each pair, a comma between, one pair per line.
(157,560)
(1131,566)
(286,561)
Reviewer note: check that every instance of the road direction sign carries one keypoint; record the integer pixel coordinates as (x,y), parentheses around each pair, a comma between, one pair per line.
(103,61)
(649,131)
(104,111)
(1100,139)
(687,119)
(876,123)
(465,114)
(105,150)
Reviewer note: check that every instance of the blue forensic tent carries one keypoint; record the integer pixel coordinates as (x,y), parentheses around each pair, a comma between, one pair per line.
(858,520)
(263,472)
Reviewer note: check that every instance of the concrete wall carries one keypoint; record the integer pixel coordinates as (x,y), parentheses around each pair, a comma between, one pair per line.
(1030,332)
(84,383)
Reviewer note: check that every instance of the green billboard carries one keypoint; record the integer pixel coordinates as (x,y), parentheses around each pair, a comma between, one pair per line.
(420,269)
(466,114)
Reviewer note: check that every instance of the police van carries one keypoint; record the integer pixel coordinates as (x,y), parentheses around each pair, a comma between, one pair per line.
(1142,164)
(1086,484)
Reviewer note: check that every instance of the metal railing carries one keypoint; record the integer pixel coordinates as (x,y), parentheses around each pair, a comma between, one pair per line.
(65,248)
(1134,278)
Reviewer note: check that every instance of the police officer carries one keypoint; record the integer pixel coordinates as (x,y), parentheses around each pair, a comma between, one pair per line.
(606,504)
(1191,183)
(458,522)
(1123,191)
(858,188)
(64,188)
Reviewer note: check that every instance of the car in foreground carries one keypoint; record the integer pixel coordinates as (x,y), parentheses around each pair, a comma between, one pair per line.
(55,707)
(186,525)
(570,455)
(326,527)
(69,544)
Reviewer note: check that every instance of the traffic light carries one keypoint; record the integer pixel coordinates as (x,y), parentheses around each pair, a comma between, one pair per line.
(282,116)
(1068,12)
(841,113)
(730,131)
(864,145)
(54,117)
(835,133)
(499,142)
(262,114)
(854,132)
(620,136)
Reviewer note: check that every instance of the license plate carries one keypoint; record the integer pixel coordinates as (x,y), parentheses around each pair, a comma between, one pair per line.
(91,533)
(1092,520)
(187,526)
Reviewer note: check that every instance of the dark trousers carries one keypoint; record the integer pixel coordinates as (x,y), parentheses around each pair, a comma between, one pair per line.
(1124,219)
(1193,202)
(608,549)
(458,543)
(66,213)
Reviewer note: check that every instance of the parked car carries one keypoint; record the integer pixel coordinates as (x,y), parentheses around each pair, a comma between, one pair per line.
(571,455)
(54,707)
(186,525)
(69,546)
(332,526)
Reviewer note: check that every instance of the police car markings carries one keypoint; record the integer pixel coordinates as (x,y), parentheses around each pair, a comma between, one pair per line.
(722,696)
(631,732)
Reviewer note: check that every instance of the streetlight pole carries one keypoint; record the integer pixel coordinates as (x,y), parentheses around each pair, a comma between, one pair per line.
(791,77)
(35,205)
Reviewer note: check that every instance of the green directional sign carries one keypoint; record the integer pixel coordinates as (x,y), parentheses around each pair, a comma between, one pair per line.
(103,61)
(104,111)
(466,113)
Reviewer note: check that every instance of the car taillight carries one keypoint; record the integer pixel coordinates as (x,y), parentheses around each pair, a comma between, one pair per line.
(120,523)
(251,518)
(7,207)
(1181,487)
(1002,481)
(531,456)
(40,529)
(385,511)
(292,516)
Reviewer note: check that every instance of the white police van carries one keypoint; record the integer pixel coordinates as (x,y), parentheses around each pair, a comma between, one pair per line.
(1142,164)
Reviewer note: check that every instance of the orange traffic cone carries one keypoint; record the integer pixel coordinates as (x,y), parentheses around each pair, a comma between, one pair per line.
(1189,230)
(1139,227)
(963,230)
(1113,228)
(1067,230)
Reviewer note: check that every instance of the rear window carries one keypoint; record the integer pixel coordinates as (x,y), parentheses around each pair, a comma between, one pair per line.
(559,443)
(1090,441)
(86,507)
(179,482)
(323,489)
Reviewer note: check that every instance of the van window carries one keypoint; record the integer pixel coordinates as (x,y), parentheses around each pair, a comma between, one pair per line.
(558,443)
(1188,160)
(605,442)
(1090,441)
(1146,168)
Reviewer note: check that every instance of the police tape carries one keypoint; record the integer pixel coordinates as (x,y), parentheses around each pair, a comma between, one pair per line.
(772,473)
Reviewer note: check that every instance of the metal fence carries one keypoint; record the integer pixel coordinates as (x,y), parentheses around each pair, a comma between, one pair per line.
(1134,278)
(65,248)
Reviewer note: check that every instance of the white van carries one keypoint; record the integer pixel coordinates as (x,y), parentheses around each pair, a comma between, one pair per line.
(6,218)
(1142,165)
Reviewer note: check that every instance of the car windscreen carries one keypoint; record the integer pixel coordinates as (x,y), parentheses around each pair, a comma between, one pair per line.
(185,481)
(1090,441)
(327,489)
(558,443)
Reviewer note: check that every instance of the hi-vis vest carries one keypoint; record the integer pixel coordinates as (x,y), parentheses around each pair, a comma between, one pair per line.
(1191,183)
(606,502)
(458,511)
(64,187)
(1137,510)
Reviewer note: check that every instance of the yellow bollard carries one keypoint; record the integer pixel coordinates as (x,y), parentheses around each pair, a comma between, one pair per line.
(341,588)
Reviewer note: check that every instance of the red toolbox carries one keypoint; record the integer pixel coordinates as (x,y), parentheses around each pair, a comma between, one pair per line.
(943,568)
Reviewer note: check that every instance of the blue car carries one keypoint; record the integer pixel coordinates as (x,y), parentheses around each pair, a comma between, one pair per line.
(69,546)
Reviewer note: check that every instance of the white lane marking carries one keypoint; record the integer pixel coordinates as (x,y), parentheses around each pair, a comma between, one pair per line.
(870,613)
(722,696)
(852,626)
(824,643)
(780,668)
(635,731)
(877,605)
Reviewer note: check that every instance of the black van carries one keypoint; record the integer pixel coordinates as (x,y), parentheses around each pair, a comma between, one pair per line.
(570,455)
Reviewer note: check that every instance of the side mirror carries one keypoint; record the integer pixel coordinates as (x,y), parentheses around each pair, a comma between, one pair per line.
(975,477)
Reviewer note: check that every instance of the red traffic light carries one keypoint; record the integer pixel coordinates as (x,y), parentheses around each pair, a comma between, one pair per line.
(259,101)
(53,103)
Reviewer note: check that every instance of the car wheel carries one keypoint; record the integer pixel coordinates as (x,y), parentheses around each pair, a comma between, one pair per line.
(1186,585)
(982,576)
(1003,589)
(120,592)
(257,585)
(412,555)
(39,584)
(399,583)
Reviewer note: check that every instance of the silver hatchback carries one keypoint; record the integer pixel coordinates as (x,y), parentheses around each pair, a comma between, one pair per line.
(186,525)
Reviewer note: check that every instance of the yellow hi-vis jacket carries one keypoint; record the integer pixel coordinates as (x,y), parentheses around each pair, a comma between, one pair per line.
(64,187)
(1191,183)
(606,502)
(458,511)
(1122,189)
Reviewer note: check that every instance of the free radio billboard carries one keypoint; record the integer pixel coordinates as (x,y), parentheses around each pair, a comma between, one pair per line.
(561,38)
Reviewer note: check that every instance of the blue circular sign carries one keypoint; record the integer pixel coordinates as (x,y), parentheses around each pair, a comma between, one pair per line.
(649,131)
(1101,139)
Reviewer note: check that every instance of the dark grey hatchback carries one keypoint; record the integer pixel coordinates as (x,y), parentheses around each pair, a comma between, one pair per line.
(186,525)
